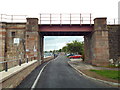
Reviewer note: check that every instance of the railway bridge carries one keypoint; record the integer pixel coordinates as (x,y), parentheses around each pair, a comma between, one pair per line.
(23,42)
(98,36)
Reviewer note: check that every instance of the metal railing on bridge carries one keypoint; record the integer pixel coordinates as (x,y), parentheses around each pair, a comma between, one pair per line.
(53,18)
(19,62)
(12,18)
(71,18)
(113,21)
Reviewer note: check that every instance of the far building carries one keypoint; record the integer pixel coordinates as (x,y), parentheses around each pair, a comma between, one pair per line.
(119,12)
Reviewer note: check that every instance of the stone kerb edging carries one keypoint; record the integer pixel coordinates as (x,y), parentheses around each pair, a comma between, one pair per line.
(111,83)
(10,72)
(15,75)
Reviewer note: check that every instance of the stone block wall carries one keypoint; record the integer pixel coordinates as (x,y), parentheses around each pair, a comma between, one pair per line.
(28,47)
(32,39)
(119,41)
(97,44)
(88,48)
(2,43)
(114,41)
(101,49)
(100,45)
(31,44)
(15,51)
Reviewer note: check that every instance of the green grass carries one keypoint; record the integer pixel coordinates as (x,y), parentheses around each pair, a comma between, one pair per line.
(108,73)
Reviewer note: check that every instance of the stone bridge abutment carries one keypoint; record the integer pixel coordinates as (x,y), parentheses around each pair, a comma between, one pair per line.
(97,44)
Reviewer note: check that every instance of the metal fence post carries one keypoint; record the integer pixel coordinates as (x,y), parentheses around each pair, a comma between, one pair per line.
(80,19)
(50,19)
(20,62)
(60,19)
(40,19)
(90,19)
(11,18)
(70,19)
(27,60)
(6,67)
(114,21)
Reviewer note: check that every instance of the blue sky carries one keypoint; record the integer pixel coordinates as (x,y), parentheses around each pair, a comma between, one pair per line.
(57,42)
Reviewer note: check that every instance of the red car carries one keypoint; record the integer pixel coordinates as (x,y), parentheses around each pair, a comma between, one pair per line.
(76,56)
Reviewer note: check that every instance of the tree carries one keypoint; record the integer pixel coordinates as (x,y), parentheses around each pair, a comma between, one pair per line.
(74,47)
(59,50)
(64,49)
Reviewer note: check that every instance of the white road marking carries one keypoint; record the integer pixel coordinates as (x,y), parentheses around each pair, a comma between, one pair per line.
(35,82)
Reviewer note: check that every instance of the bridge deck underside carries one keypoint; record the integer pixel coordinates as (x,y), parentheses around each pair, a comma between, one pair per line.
(64,33)
(65,30)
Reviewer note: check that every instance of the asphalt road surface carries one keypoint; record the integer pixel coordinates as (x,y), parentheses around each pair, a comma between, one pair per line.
(58,74)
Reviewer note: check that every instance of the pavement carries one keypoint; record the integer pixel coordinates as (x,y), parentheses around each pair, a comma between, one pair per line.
(14,70)
(79,63)
(59,74)
(84,68)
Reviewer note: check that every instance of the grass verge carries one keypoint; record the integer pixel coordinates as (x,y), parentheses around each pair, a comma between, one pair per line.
(112,74)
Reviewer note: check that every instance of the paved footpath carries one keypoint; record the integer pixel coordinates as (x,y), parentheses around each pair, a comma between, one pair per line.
(58,74)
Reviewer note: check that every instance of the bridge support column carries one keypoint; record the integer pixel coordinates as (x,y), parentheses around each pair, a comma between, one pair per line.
(32,39)
(41,47)
(100,43)
(88,48)
(2,43)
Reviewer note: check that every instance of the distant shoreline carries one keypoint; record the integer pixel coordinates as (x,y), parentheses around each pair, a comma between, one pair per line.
(46,55)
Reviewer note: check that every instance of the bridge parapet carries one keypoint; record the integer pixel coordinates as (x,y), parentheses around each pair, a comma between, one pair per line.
(113,21)
(12,18)
(71,18)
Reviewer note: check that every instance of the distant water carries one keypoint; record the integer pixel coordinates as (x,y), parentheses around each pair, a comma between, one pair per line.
(47,55)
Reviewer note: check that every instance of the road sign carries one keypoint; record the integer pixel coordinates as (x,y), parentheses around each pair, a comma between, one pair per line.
(16,40)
